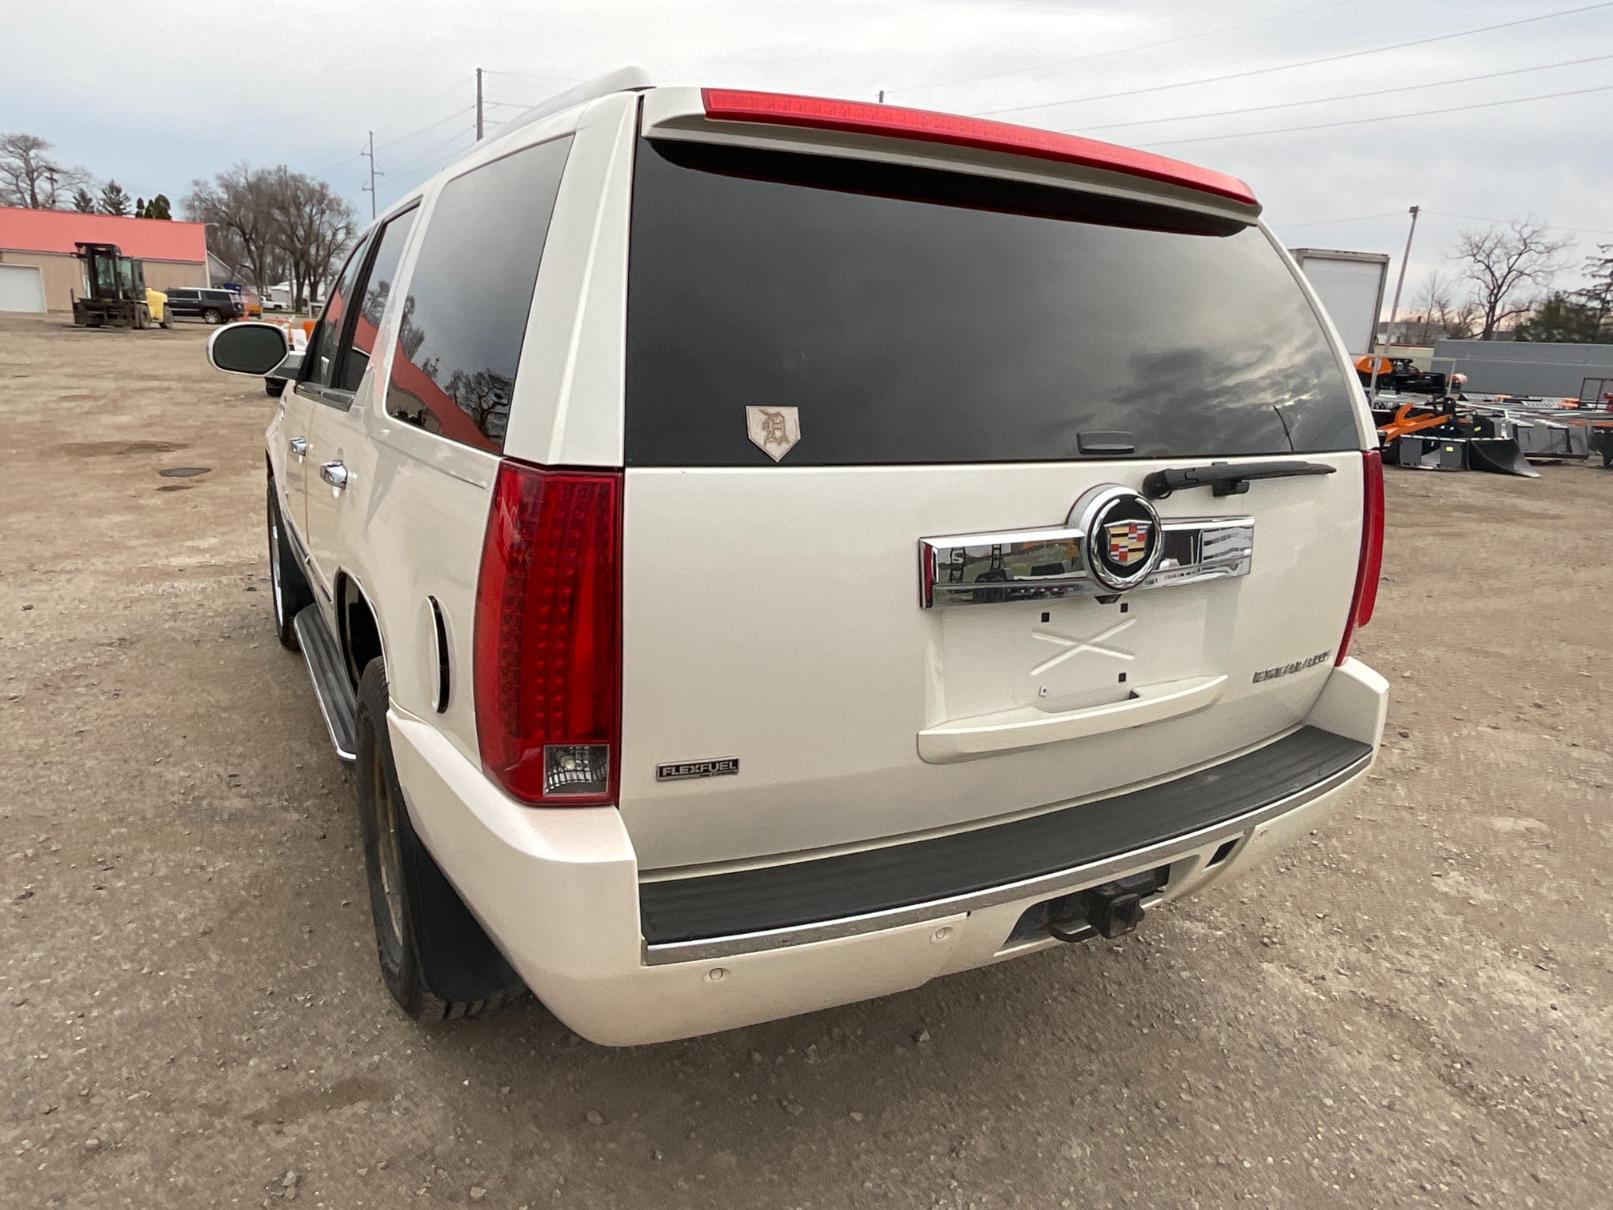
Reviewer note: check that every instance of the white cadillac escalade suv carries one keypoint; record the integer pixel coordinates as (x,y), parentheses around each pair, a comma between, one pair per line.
(761,552)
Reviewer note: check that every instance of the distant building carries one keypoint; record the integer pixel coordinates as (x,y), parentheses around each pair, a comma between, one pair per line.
(280,297)
(39,272)
(1525,367)
(219,272)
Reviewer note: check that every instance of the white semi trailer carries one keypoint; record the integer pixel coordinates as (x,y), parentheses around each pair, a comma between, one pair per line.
(1350,285)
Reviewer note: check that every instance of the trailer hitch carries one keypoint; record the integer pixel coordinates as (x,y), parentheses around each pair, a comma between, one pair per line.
(1113,909)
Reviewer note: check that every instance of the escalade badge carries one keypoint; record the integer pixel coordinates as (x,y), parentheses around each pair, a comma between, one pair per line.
(774,431)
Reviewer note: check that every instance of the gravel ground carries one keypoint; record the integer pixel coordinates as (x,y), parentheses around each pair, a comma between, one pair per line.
(1411,1008)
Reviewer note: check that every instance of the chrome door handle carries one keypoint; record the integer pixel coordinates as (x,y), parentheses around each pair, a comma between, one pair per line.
(298,447)
(335,474)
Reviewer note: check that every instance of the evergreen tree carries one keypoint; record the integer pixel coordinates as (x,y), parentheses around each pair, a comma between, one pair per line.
(113,199)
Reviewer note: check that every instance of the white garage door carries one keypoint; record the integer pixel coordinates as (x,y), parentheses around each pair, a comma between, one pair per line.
(21,288)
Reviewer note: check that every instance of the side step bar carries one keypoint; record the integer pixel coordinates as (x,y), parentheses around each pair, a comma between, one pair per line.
(337,701)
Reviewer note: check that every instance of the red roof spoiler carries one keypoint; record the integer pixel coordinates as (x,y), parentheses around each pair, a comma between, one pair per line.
(862,117)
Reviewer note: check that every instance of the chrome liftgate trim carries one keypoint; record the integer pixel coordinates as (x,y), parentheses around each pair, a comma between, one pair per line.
(1049,564)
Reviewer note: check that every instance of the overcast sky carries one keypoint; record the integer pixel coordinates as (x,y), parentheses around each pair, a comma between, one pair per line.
(157,94)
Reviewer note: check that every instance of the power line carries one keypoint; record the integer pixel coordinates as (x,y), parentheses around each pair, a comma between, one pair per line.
(433,99)
(1121,50)
(531,75)
(1262,71)
(1479,218)
(1388,117)
(404,138)
(431,151)
(1349,96)
(357,155)
(1330,222)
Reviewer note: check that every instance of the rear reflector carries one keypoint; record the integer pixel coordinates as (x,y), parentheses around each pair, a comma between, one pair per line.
(861,117)
(1370,563)
(548,636)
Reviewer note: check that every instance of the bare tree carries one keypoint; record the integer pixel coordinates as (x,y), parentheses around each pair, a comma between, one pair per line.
(1598,295)
(1432,303)
(1460,323)
(33,178)
(273,223)
(1504,262)
(1440,315)
(314,226)
(239,206)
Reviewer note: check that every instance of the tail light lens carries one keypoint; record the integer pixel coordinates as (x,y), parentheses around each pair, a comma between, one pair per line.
(548,639)
(1371,561)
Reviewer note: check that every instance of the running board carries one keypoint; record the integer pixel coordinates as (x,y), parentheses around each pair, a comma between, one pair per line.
(337,701)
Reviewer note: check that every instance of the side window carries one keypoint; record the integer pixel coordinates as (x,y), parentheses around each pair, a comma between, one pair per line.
(375,289)
(325,340)
(465,315)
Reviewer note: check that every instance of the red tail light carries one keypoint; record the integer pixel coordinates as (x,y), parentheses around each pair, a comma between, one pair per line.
(1371,561)
(862,117)
(548,639)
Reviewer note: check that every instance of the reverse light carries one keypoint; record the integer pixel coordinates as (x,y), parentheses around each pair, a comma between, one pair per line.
(1370,563)
(548,635)
(862,117)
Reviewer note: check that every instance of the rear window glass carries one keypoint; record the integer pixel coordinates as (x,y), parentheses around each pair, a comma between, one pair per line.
(464,317)
(914,315)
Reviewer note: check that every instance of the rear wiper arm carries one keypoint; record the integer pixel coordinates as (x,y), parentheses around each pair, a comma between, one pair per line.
(1226,479)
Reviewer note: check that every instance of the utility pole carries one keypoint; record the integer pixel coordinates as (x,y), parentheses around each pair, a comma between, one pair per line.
(1394,307)
(370,188)
(478,104)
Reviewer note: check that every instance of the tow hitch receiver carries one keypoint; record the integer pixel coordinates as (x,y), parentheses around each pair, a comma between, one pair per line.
(1113,909)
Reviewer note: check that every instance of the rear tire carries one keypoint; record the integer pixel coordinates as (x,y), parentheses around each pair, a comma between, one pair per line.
(435,958)
(289,593)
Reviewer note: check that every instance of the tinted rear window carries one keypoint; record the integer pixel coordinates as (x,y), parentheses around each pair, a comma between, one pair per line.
(464,318)
(913,315)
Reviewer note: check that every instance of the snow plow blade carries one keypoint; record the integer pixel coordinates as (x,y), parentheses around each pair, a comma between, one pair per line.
(1500,455)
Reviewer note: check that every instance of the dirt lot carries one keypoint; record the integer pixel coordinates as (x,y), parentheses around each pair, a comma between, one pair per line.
(1411,1008)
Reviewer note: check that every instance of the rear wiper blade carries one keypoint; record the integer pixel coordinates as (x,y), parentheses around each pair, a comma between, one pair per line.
(1226,479)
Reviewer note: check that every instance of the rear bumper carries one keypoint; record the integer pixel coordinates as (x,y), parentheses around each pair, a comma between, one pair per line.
(624,963)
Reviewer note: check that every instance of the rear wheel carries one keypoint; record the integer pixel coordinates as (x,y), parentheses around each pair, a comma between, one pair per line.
(435,958)
(288,587)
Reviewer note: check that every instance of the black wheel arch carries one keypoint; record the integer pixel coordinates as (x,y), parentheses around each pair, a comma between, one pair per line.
(359,628)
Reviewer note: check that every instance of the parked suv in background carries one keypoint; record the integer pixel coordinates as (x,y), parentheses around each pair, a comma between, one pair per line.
(206,303)
(762,552)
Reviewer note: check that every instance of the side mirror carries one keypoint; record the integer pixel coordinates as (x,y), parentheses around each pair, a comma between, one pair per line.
(247,348)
